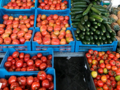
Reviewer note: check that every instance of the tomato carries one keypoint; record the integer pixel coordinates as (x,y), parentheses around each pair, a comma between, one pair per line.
(30,62)
(112,78)
(41,75)
(10,58)
(43,66)
(45,83)
(22,80)
(49,77)
(7,40)
(117,55)
(38,39)
(102,65)
(29,80)
(94,67)
(111,55)
(95,82)
(111,73)
(89,60)
(117,63)
(105,87)
(38,63)
(18,69)
(42,88)
(14,85)
(44,59)
(49,57)
(95,52)
(12,79)
(8,64)
(26,59)
(4,82)
(112,62)
(19,64)
(118,83)
(107,76)
(34,57)
(31,68)
(46,41)
(100,83)
(67,18)
(51,86)
(103,78)
(13,67)
(118,87)
(18,88)
(6,88)
(28,36)
(23,69)
(94,62)
(117,72)
(15,54)
(39,55)
(36,79)
(100,70)
(55,16)
(108,66)
(21,56)
(108,82)
(114,68)
(98,77)
(35,85)
(88,55)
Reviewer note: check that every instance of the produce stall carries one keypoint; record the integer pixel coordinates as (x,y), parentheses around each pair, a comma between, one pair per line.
(59,45)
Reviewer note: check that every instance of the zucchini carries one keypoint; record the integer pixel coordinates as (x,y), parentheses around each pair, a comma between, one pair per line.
(80,6)
(78,16)
(105,42)
(76,9)
(75,20)
(91,33)
(108,28)
(87,28)
(76,12)
(95,26)
(77,38)
(87,33)
(109,41)
(103,38)
(97,32)
(79,3)
(95,10)
(88,42)
(97,17)
(84,42)
(81,36)
(91,38)
(103,28)
(88,24)
(92,29)
(75,26)
(82,21)
(95,37)
(92,42)
(91,19)
(75,23)
(100,37)
(107,35)
(87,10)
(97,42)
(99,24)
(87,37)
(101,42)
(81,27)
(78,31)
(94,22)
(86,18)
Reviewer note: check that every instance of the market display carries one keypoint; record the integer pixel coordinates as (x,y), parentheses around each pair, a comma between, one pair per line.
(20,4)
(16,30)
(42,81)
(52,4)
(92,23)
(105,67)
(24,62)
(53,30)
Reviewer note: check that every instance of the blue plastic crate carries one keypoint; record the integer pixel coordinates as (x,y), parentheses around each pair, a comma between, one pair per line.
(20,47)
(49,51)
(5,2)
(80,47)
(57,48)
(6,75)
(64,13)
(66,10)
(15,14)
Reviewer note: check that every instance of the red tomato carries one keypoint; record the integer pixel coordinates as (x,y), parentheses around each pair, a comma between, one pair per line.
(55,16)
(18,88)
(66,17)
(108,66)
(39,55)
(105,87)
(111,73)
(43,66)
(26,59)
(112,78)
(23,69)
(108,52)
(45,83)
(22,80)
(15,54)
(14,85)
(12,79)
(4,82)
(108,82)
(38,63)
(117,63)
(29,80)
(46,41)
(98,77)
(8,64)
(24,65)
(30,62)
(10,58)
(13,62)
(100,83)
(19,64)
(51,86)
(49,57)
(100,70)
(89,60)
(35,85)
(90,51)
(55,41)
(36,79)
(95,52)
(88,55)
(31,68)
(21,56)
(44,59)
(34,57)
(41,75)
(95,82)
(102,65)
(42,88)
(49,77)
(112,62)
(118,87)
(111,55)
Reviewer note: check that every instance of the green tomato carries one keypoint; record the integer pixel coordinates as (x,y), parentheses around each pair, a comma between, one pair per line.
(117,78)
(105,70)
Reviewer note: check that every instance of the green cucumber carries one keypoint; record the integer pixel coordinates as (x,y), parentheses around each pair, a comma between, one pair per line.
(87,33)
(91,38)
(97,42)
(81,27)
(87,10)
(99,24)
(91,19)
(103,38)
(87,28)
(78,16)
(108,28)
(76,12)
(97,17)
(77,38)
(97,32)
(75,26)
(75,23)
(92,42)
(100,37)
(107,35)
(91,33)
(95,10)
(88,24)
(82,21)
(92,29)
(95,37)
(86,18)
(87,37)
(78,31)
(94,22)
(103,28)
(75,20)
(80,6)
(79,2)
(77,9)
(81,36)
(95,26)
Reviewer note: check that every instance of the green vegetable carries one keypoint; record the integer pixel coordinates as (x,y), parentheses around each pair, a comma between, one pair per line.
(117,78)
(95,10)
(87,10)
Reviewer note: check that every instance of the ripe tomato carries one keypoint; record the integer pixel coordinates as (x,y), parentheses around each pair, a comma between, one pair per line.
(30,80)
(88,55)
(26,59)
(118,83)
(100,70)
(22,80)
(111,73)
(117,63)
(49,77)
(12,79)
(39,55)
(14,85)
(15,54)
(111,56)
(21,56)
(10,58)
(38,63)
(49,57)
(45,83)
(42,88)
(31,68)
(102,65)
(44,59)
(108,66)
(117,55)
(19,64)
(95,52)
(112,62)
(103,78)
(114,68)
(105,87)
(89,60)
(8,64)
(35,85)
(43,66)
(112,78)
(98,77)
(67,18)
(94,67)
(18,88)
(36,79)
(55,16)
(118,87)
(41,75)
(24,69)
(4,82)
(108,82)
(30,62)
(100,83)
(34,57)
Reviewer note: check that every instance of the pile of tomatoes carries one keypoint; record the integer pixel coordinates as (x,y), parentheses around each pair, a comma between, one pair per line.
(23,62)
(42,81)
(53,30)
(20,4)
(107,66)
(16,30)
(53,4)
